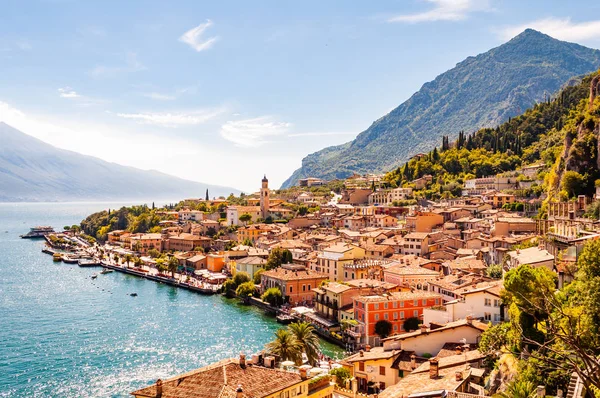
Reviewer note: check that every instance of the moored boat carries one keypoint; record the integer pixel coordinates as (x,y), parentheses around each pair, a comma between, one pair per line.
(88,262)
(38,232)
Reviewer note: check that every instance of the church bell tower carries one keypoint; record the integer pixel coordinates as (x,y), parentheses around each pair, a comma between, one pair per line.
(264,198)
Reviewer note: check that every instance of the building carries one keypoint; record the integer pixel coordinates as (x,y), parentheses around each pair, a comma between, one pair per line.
(250,265)
(385,197)
(185,242)
(478,302)
(533,256)
(190,215)
(237,378)
(424,221)
(295,282)
(392,307)
(409,276)
(264,198)
(499,199)
(416,243)
(233,214)
(144,242)
(332,260)
(431,340)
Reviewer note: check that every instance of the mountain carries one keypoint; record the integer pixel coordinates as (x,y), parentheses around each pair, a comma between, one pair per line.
(481,91)
(32,170)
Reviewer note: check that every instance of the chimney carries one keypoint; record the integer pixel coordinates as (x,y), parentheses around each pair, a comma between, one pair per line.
(361,353)
(239,393)
(413,361)
(367,348)
(423,328)
(158,388)
(459,376)
(242,361)
(303,373)
(469,319)
(433,368)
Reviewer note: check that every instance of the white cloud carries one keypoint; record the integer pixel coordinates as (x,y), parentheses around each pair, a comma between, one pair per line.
(320,134)
(194,39)
(68,92)
(445,10)
(174,119)
(559,28)
(253,132)
(132,65)
(160,97)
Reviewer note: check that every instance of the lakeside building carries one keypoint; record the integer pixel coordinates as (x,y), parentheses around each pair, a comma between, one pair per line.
(392,307)
(294,281)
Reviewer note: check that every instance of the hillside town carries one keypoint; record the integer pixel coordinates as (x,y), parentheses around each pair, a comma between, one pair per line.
(406,286)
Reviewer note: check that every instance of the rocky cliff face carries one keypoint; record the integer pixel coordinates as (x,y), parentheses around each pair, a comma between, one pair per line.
(481,91)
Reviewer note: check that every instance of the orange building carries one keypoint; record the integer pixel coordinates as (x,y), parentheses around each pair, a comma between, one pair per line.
(295,282)
(392,307)
(215,262)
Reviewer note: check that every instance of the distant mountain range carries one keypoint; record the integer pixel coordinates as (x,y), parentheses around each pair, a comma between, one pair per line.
(34,171)
(481,91)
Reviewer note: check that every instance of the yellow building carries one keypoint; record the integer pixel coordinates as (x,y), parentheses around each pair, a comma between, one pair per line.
(500,199)
(332,260)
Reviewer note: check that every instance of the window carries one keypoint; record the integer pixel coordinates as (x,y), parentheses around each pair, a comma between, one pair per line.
(376,317)
(385,316)
(487,316)
(416,313)
(395,305)
(401,314)
(395,315)
(303,288)
(487,302)
(382,370)
(496,317)
(361,366)
(496,303)
(395,328)
(376,306)
(290,289)
(424,301)
(437,301)
(415,302)
(385,306)
(402,304)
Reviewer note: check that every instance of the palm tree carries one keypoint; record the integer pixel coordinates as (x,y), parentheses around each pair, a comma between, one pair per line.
(172,265)
(519,389)
(128,258)
(304,332)
(285,346)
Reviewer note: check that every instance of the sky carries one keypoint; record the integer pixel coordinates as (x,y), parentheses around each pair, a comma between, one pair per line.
(223,92)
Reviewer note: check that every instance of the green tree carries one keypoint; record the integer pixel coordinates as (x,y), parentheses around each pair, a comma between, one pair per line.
(302,210)
(256,277)
(128,258)
(285,346)
(153,253)
(494,271)
(245,218)
(272,296)
(241,277)
(573,183)
(304,333)
(172,265)
(278,256)
(411,323)
(228,286)
(245,290)
(383,328)
(519,389)
(341,376)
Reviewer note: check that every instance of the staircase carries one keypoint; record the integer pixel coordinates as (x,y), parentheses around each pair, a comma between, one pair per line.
(575,389)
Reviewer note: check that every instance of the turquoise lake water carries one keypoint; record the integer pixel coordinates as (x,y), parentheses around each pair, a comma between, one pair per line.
(63,334)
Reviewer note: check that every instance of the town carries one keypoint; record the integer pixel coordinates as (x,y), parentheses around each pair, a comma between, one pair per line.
(407,287)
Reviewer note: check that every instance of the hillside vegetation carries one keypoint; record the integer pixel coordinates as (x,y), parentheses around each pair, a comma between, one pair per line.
(560,132)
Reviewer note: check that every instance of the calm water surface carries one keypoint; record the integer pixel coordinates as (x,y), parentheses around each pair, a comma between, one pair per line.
(63,334)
